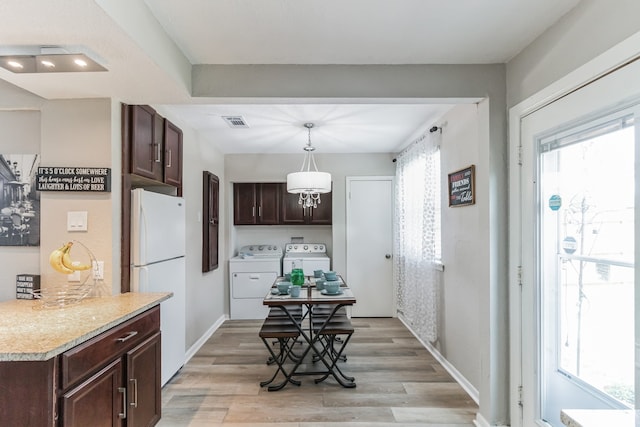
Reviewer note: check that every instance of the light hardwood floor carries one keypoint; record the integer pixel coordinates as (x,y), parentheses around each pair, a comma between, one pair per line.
(399,383)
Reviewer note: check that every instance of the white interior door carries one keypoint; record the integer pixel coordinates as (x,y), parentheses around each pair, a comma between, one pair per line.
(578,238)
(369,245)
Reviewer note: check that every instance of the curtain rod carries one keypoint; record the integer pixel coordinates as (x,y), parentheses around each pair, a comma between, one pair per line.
(431,130)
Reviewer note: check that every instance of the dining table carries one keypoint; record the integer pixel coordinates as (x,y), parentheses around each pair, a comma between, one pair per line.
(316,320)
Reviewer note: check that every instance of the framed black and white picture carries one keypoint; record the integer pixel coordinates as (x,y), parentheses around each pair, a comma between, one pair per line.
(19,200)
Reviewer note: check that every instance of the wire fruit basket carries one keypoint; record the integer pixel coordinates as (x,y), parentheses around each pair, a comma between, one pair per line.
(62,292)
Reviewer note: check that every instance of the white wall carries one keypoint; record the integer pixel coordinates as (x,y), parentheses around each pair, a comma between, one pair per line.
(464,246)
(78,133)
(591,28)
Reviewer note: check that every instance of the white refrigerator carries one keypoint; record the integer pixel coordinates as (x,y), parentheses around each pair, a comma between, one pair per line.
(158,265)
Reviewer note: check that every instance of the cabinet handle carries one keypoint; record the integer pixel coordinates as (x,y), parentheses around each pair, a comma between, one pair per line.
(135,392)
(253,211)
(260,211)
(158,153)
(169,162)
(123,414)
(128,336)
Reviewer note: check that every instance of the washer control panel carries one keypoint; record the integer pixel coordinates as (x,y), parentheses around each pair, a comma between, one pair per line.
(271,251)
(305,248)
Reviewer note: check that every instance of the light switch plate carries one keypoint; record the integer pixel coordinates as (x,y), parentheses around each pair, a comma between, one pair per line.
(77,220)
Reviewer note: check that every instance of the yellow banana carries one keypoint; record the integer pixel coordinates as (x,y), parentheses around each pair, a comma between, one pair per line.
(71,265)
(55,259)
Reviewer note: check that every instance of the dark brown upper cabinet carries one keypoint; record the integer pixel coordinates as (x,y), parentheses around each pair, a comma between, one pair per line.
(147,131)
(293,213)
(155,147)
(210,221)
(256,203)
(172,154)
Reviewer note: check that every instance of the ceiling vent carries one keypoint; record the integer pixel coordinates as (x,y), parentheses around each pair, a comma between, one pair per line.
(236,121)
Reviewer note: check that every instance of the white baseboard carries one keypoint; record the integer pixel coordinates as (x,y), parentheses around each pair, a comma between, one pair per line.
(460,379)
(203,339)
(481,422)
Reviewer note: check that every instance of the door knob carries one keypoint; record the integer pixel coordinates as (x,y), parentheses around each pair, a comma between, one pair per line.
(387,256)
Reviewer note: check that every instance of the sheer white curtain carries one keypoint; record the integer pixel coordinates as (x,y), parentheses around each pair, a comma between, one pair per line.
(417,228)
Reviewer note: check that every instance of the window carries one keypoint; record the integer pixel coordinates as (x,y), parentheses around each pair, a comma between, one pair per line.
(418,235)
(438,207)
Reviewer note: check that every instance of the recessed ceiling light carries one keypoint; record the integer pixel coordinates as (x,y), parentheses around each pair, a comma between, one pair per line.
(50,63)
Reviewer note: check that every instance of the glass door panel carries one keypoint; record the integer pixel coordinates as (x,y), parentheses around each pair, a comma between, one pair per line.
(586,223)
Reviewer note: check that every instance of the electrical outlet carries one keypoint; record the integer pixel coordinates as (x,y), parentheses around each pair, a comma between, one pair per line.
(98,270)
(74,277)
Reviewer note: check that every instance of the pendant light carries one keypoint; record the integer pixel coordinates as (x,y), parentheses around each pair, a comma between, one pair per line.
(309,183)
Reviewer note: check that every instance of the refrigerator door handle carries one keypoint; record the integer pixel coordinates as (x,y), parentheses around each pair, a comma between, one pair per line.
(143,279)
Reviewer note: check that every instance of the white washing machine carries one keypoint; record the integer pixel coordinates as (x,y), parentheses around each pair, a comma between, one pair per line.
(313,255)
(252,272)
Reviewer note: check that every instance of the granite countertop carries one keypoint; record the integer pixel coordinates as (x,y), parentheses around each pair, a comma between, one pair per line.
(28,331)
(600,417)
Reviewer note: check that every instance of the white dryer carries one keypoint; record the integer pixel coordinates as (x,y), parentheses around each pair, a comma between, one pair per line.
(252,272)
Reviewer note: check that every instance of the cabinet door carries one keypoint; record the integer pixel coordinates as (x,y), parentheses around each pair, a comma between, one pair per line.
(146,140)
(244,204)
(172,154)
(291,212)
(144,383)
(98,402)
(323,213)
(23,382)
(268,203)
(294,213)
(210,223)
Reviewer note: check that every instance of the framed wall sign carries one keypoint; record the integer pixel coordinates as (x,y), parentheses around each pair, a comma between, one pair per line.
(77,179)
(462,187)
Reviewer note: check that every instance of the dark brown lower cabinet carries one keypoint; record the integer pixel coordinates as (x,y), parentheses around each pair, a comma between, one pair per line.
(99,402)
(144,383)
(111,380)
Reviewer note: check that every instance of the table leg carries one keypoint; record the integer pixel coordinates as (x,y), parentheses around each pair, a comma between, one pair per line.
(313,337)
